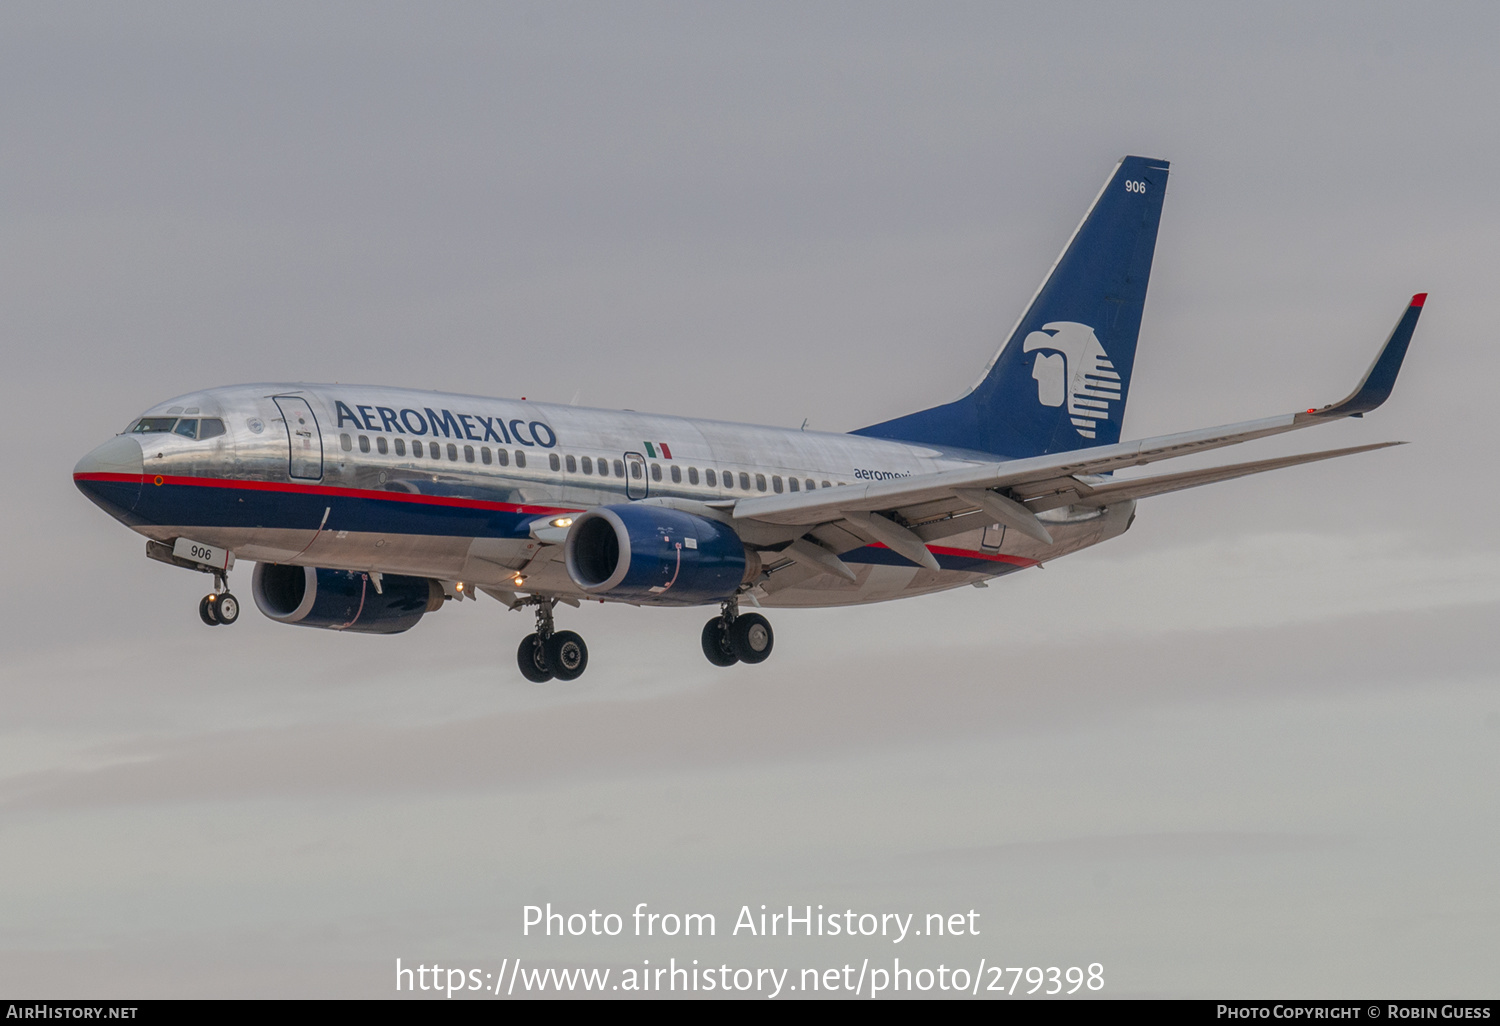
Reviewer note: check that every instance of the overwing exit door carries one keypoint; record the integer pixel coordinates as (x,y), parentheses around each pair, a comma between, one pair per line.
(636,485)
(304,440)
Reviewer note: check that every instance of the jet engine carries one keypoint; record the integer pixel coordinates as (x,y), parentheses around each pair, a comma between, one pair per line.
(656,555)
(343,600)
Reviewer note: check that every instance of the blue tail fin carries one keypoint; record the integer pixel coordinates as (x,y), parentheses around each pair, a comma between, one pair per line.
(1061,380)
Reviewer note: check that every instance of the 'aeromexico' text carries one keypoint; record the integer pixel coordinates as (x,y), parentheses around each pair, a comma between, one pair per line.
(427,421)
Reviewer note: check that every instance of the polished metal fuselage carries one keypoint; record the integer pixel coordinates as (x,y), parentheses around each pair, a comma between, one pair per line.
(324,494)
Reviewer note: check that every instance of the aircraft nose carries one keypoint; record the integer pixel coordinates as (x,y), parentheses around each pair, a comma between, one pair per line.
(120,455)
(111,475)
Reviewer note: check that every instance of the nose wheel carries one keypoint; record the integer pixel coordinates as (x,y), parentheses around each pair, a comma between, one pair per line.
(219,607)
(549,653)
(735,637)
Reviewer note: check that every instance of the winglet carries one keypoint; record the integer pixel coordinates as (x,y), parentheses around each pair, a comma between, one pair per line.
(1378,381)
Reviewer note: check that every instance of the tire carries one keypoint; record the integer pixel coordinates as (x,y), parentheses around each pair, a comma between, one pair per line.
(207,611)
(227,608)
(752,637)
(716,643)
(531,657)
(567,655)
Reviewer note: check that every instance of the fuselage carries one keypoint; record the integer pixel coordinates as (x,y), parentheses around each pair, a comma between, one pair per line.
(454,487)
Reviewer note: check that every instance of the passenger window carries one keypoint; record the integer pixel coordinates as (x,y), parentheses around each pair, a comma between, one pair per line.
(811,484)
(346,443)
(827,485)
(711,478)
(588,465)
(381,446)
(728,479)
(553,461)
(400,447)
(468,454)
(760,482)
(211,428)
(692,475)
(520,458)
(776,484)
(619,469)
(416,449)
(364,443)
(656,471)
(744,481)
(453,452)
(484,455)
(791,484)
(572,465)
(676,474)
(502,457)
(434,451)
(151,425)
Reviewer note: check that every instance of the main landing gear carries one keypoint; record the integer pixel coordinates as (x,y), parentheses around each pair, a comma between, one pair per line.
(735,637)
(550,653)
(218,606)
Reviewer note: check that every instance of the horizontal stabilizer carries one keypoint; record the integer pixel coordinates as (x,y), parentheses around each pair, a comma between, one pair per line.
(1140,488)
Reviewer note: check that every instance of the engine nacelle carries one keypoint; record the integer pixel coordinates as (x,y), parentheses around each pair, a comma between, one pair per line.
(342,600)
(656,555)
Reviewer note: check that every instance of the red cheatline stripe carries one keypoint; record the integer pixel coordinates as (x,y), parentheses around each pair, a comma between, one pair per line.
(328,491)
(442,500)
(944,550)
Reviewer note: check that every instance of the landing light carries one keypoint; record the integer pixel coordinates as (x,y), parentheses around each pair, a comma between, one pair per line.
(459,587)
(563,522)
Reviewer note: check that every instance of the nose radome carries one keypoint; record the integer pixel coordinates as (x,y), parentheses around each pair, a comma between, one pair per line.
(119,455)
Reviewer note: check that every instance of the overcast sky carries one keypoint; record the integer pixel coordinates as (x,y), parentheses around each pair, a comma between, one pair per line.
(1249,749)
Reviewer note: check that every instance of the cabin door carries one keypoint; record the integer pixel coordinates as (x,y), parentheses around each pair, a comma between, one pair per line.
(636,485)
(303,438)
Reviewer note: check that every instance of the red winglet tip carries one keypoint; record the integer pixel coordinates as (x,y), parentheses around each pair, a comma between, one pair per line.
(1419,299)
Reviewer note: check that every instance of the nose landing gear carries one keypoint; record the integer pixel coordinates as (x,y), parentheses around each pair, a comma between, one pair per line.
(735,637)
(550,653)
(218,606)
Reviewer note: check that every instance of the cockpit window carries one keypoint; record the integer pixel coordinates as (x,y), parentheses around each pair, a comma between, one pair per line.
(188,428)
(150,425)
(211,427)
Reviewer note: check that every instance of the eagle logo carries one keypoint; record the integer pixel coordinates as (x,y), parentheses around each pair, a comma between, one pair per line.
(1076,371)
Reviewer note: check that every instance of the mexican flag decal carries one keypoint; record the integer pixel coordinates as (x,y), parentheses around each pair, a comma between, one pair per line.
(653,449)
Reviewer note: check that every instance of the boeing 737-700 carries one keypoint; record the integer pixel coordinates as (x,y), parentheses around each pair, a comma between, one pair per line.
(365,507)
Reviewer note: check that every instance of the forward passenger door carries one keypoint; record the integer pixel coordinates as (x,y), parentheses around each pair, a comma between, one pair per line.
(303,438)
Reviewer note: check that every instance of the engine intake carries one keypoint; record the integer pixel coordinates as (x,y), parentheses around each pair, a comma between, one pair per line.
(342,600)
(656,555)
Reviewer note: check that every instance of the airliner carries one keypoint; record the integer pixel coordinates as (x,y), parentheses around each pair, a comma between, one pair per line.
(365,508)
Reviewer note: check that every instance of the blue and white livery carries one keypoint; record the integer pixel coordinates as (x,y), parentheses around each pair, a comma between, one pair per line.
(366,507)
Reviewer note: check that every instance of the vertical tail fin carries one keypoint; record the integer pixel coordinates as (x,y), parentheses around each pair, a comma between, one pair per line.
(1061,380)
